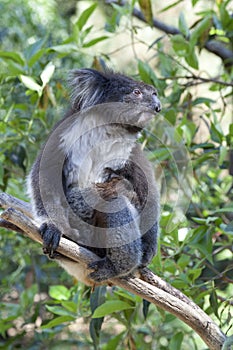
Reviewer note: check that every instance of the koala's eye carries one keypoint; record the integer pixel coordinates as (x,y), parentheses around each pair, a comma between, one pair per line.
(154,93)
(137,92)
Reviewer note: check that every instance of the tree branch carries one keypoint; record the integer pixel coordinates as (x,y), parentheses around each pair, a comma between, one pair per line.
(18,216)
(212,46)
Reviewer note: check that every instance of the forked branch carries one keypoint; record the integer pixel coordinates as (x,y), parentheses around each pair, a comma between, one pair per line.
(17,216)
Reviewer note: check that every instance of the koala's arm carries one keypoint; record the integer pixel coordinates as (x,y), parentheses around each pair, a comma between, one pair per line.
(139,173)
(50,233)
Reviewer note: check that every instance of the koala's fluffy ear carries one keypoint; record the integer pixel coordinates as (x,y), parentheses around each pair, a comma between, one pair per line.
(87,88)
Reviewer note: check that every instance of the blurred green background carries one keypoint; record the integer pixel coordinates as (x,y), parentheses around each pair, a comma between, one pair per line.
(185,49)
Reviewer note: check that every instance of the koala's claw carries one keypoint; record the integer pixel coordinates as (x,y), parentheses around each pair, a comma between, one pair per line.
(96,277)
(103,270)
(51,238)
(96,265)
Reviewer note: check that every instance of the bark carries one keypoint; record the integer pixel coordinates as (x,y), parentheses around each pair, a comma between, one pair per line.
(17,215)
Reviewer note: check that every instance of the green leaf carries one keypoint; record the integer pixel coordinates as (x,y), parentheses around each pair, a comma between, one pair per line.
(34,48)
(160,154)
(183,261)
(1,173)
(216,134)
(35,58)
(201,27)
(200,100)
(203,158)
(179,284)
(192,60)
(183,25)
(113,342)
(47,73)
(14,68)
(17,57)
(205,145)
(97,298)
(94,329)
(194,274)
(31,84)
(214,302)
(4,327)
(112,21)
(84,16)
(223,155)
(176,341)
(199,220)
(111,306)
(170,6)
(146,73)
(127,295)
(188,131)
(145,310)
(122,10)
(65,49)
(145,6)
(95,41)
(58,321)
(225,17)
(59,292)
(180,45)
(10,311)
(70,306)
(212,219)
(205,248)
(231,129)
(224,210)
(58,310)
(171,115)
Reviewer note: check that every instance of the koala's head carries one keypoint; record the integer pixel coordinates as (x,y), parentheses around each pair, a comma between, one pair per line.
(91,87)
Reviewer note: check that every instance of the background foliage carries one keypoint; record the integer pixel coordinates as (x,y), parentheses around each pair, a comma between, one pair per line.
(190,145)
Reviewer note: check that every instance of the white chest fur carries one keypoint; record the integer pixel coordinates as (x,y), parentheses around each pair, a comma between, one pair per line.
(95,148)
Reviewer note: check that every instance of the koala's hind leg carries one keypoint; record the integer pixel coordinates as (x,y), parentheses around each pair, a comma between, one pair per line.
(149,245)
(119,261)
(123,244)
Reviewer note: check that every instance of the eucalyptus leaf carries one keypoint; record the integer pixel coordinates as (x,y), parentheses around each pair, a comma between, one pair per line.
(57,322)
(58,310)
(59,292)
(85,16)
(31,84)
(47,73)
(183,27)
(111,306)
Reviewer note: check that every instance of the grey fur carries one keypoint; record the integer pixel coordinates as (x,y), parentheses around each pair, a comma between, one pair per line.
(129,177)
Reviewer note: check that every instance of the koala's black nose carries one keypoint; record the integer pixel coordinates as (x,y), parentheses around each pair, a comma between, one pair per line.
(156,103)
(158,107)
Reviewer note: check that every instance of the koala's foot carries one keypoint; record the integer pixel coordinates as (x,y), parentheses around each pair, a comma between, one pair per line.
(104,270)
(51,238)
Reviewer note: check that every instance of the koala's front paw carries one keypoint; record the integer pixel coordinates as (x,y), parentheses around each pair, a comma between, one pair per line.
(51,238)
(103,270)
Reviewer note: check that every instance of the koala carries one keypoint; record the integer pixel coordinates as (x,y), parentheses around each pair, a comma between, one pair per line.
(105,187)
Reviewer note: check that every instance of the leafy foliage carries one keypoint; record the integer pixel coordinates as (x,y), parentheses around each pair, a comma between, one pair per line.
(190,144)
